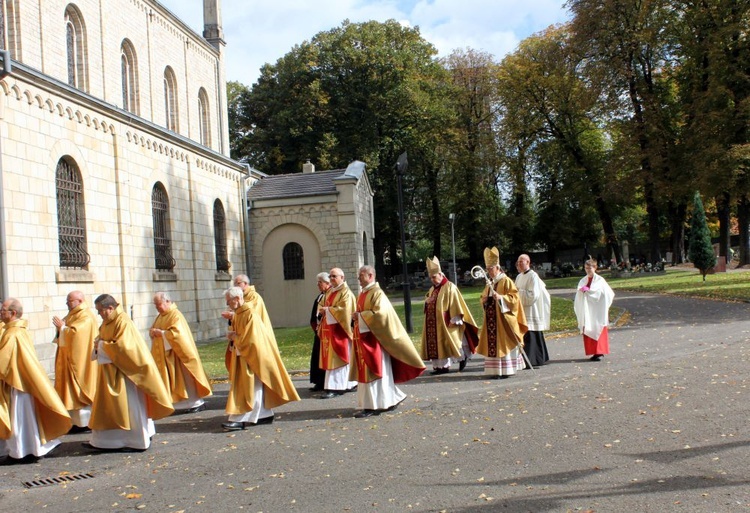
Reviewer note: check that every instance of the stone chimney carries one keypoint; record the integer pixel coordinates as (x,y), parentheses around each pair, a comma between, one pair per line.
(308,167)
(212,30)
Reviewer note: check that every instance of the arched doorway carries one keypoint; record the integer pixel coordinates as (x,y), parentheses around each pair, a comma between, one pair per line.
(291,261)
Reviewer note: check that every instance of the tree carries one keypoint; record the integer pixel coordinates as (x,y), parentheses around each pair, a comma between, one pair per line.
(701,251)
(237,124)
(713,41)
(471,165)
(627,48)
(365,91)
(542,79)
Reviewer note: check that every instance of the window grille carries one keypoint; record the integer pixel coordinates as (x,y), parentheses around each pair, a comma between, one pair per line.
(220,237)
(294,262)
(71,217)
(162,241)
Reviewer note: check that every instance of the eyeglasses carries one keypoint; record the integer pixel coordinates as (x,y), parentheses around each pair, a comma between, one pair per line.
(334,276)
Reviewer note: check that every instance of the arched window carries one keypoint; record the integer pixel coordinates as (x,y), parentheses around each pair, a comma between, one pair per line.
(129,64)
(162,239)
(294,262)
(365,253)
(220,237)
(76,43)
(9,25)
(205,119)
(170,99)
(71,217)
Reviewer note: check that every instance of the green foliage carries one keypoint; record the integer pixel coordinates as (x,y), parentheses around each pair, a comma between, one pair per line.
(365,91)
(701,252)
(594,130)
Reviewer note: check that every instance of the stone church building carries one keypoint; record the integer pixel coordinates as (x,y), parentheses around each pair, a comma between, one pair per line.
(115,175)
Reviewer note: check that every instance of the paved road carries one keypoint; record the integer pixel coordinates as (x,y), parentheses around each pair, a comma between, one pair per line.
(659,425)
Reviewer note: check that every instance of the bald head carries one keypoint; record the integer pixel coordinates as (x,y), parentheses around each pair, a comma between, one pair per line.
(523,263)
(74,299)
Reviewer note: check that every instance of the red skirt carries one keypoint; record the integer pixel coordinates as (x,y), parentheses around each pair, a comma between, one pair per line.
(600,346)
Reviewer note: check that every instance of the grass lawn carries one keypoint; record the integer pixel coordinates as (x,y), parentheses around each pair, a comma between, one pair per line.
(734,286)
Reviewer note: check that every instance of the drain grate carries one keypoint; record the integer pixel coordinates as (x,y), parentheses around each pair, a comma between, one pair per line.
(48,481)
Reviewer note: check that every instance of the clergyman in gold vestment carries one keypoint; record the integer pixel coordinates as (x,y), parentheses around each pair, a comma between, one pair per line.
(130,394)
(75,371)
(32,416)
(258,379)
(176,356)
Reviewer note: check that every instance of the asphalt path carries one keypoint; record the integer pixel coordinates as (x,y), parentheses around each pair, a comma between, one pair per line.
(658,425)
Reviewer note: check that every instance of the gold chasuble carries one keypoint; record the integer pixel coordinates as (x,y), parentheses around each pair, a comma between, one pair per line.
(335,338)
(258,306)
(132,360)
(440,338)
(502,332)
(254,352)
(75,372)
(385,333)
(20,369)
(180,338)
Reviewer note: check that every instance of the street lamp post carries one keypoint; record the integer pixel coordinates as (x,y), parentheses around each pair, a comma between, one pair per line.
(452,218)
(401,165)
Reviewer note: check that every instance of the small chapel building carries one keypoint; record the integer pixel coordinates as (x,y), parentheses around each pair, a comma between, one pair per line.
(303,224)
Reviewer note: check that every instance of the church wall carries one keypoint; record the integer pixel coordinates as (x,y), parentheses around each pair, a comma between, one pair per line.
(120,157)
(159,40)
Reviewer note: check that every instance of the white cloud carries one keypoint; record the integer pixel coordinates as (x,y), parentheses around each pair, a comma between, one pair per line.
(261,32)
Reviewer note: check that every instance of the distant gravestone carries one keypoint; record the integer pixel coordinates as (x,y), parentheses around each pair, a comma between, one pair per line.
(721,265)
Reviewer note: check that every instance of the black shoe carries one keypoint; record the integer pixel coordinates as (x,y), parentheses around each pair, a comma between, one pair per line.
(596,358)
(462,365)
(330,394)
(233,426)
(316,388)
(353,389)
(264,420)
(436,372)
(29,458)
(74,430)
(505,376)
(366,413)
(196,409)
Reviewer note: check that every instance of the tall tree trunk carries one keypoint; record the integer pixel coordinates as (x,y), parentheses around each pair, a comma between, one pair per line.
(677,215)
(613,245)
(743,218)
(653,223)
(723,211)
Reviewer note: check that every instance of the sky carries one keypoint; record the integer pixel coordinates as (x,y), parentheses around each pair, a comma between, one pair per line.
(259,32)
